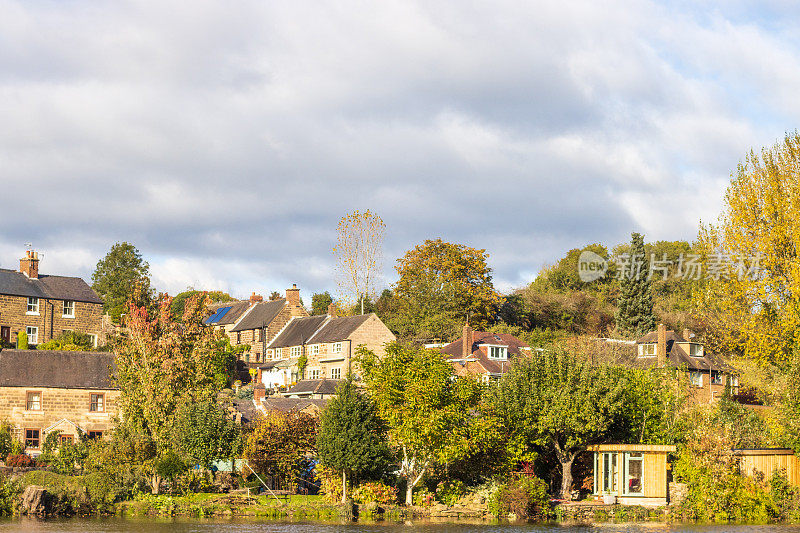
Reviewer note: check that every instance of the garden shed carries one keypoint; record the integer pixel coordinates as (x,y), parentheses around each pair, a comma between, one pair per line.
(635,473)
(767,460)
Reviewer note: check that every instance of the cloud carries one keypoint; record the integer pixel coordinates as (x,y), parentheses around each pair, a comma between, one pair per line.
(226,142)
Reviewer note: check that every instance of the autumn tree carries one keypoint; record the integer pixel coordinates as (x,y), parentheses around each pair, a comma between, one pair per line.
(635,305)
(442,285)
(352,438)
(428,411)
(179,301)
(752,306)
(279,445)
(359,255)
(118,274)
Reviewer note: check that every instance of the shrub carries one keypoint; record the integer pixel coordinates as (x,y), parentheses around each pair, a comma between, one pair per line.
(8,494)
(22,340)
(5,442)
(17,447)
(375,492)
(20,460)
(449,492)
(330,483)
(525,497)
(70,341)
(424,498)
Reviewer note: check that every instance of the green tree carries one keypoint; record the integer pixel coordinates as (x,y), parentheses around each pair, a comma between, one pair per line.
(635,313)
(204,433)
(427,410)
(560,403)
(121,272)
(320,302)
(279,445)
(179,301)
(352,438)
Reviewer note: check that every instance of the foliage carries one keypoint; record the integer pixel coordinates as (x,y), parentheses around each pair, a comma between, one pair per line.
(756,312)
(359,253)
(330,482)
(523,496)
(5,441)
(9,491)
(204,432)
(117,275)
(375,492)
(85,494)
(450,491)
(22,340)
(20,460)
(635,305)
(423,497)
(49,447)
(180,299)
(440,286)
(352,438)
(70,341)
(426,409)
(320,302)
(279,443)
(302,363)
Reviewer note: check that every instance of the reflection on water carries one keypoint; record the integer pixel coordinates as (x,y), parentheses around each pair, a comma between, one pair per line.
(118,525)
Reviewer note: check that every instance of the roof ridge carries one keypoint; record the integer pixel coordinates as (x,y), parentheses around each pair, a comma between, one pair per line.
(325,322)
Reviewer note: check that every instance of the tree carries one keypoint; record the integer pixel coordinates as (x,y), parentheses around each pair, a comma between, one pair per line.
(352,438)
(635,314)
(442,285)
(275,295)
(204,433)
(752,307)
(279,445)
(179,301)
(555,401)
(427,409)
(117,275)
(320,302)
(359,255)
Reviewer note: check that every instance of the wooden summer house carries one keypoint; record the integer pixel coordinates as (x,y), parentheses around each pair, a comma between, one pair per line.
(766,461)
(635,473)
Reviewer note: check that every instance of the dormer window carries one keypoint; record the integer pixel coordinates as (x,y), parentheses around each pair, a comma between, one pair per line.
(498,352)
(647,350)
(696,350)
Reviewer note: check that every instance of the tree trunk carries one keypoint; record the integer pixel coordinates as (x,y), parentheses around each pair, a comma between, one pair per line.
(566,479)
(344,486)
(409,492)
(156,484)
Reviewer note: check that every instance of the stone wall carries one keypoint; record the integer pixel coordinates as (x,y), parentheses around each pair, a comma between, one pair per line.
(50,320)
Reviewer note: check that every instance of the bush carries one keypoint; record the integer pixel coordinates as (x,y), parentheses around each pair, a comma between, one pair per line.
(525,497)
(92,493)
(375,492)
(330,483)
(22,340)
(5,442)
(20,460)
(449,492)
(70,341)
(8,494)
(424,498)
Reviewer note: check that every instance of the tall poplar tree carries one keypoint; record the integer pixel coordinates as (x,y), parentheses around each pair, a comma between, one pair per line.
(635,313)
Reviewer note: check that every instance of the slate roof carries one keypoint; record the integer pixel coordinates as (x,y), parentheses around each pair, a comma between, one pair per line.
(16,283)
(338,328)
(315,386)
(677,356)
(262,313)
(513,345)
(237,308)
(246,408)
(56,369)
(298,331)
(292,404)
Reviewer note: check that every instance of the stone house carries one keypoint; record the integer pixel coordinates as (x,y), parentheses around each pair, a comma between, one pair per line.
(45,391)
(484,354)
(45,306)
(708,373)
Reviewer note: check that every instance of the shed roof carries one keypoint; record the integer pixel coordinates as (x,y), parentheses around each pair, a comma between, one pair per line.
(56,369)
(292,404)
(653,448)
(14,283)
(315,386)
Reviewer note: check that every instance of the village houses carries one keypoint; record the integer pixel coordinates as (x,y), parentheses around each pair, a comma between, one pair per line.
(483,354)
(44,306)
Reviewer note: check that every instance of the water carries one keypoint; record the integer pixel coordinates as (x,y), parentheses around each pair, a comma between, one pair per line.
(118,525)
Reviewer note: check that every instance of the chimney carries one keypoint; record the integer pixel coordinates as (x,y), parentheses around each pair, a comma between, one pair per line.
(661,348)
(259,392)
(29,265)
(255,298)
(293,299)
(466,341)
(687,334)
(332,309)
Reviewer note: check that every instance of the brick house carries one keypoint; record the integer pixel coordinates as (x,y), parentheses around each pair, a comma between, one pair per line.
(484,354)
(328,342)
(44,391)
(707,372)
(44,306)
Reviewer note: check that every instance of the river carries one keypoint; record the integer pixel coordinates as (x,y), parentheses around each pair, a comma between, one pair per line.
(119,525)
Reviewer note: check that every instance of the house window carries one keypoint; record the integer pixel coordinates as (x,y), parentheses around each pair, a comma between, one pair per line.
(33,306)
(69,309)
(336,373)
(92,339)
(65,439)
(315,349)
(34,401)
(32,438)
(605,480)
(97,403)
(337,347)
(634,463)
(238,337)
(696,378)
(647,350)
(33,334)
(696,350)
(716,377)
(94,435)
(295,351)
(733,381)
(313,373)
(498,352)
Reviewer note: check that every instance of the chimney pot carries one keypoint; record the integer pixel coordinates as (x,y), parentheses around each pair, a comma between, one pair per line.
(254,298)
(293,296)
(29,265)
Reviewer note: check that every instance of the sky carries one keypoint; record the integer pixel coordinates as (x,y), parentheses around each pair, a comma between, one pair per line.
(225,140)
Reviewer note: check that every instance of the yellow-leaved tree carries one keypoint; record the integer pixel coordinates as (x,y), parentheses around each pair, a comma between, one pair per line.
(359,255)
(751,307)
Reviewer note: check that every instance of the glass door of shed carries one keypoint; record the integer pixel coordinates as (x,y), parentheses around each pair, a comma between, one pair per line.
(606,473)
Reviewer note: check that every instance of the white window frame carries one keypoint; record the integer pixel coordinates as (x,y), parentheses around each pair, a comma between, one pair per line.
(33,334)
(696,378)
(296,351)
(68,309)
(315,349)
(336,373)
(314,373)
(337,347)
(697,348)
(93,339)
(33,306)
(502,354)
(719,377)
(647,349)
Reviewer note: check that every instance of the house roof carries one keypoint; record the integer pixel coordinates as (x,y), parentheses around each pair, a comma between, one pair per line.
(677,356)
(246,408)
(292,404)
(338,328)
(315,386)
(298,331)
(260,315)
(513,345)
(16,283)
(220,318)
(56,369)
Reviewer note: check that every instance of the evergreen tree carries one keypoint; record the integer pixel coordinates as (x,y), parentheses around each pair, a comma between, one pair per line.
(635,313)
(122,274)
(320,302)
(352,438)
